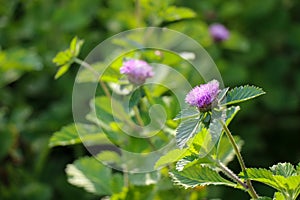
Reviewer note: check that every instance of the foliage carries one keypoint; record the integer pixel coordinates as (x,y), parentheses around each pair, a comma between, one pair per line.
(263,49)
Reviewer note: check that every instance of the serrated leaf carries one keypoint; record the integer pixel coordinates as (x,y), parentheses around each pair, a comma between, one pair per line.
(264,176)
(289,184)
(68,135)
(62,70)
(199,175)
(187,113)
(93,176)
(230,113)
(172,156)
(241,94)
(283,169)
(222,94)
(186,130)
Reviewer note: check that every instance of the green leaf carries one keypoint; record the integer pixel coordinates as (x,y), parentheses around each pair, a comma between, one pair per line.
(135,98)
(177,13)
(242,93)
(186,130)
(142,179)
(278,196)
(187,113)
(225,152)
(289,185)
(62,70)
(109,157)
(283,169)
(172,156)
(63,58)
(94,177)
(230,113)
(68,135)
(264,176)
(75,46)
(199,175)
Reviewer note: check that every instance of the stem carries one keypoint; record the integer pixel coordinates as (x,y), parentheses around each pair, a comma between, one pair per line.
(138,116)
(89,67)
(232,175)
(251,190)
(138,13)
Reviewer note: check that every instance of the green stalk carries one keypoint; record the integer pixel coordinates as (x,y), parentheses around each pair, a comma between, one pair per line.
(251,190)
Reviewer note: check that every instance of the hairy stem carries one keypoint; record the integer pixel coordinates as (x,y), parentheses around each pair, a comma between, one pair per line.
(250,189)
(232,175)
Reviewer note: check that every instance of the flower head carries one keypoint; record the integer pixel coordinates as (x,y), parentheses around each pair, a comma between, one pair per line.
(202,96)
(219,32)
(137,71)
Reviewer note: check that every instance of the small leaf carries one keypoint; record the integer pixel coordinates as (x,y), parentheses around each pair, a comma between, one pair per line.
(187,113)
(68,135)
(62,70)
(186,130)
(177,13)
(93,176)
(62,58)
(242,93)
(75,46)
(199,175)
(172,156)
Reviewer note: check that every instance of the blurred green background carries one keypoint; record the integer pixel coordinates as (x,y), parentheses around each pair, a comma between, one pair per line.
(263,49)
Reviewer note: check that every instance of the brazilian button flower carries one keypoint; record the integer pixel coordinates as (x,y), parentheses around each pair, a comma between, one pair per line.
(202,96)
(218,32)
(137,71)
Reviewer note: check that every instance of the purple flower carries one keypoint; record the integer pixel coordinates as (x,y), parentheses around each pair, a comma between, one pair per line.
(219,32)
(137,71)
(203,95)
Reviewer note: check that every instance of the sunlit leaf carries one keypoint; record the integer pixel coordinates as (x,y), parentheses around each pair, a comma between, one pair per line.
(283,169)
(94,177)
(186,130)
(242,93)
(172,156)
(75,46)
(199,175)
(174,13)
(62,70)
(278,196)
